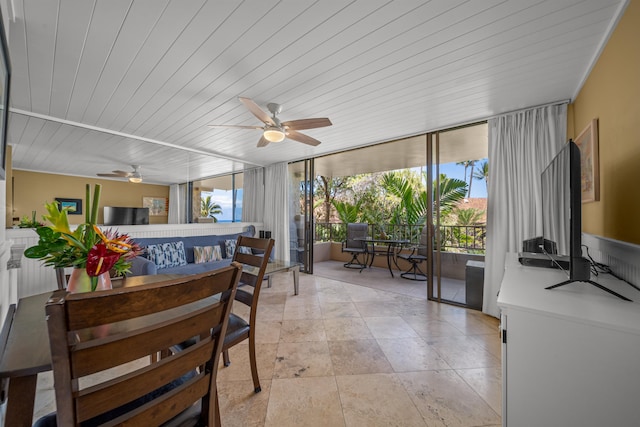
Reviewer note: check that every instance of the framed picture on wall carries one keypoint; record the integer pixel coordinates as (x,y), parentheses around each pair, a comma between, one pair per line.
(587,141)
(74,205)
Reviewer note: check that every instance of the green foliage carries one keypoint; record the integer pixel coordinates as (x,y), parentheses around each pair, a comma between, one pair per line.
(347,212)
(482,173)
(452,191)
(208,209)
(468,216)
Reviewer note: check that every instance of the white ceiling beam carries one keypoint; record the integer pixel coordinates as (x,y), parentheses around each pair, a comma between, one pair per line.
(128,135)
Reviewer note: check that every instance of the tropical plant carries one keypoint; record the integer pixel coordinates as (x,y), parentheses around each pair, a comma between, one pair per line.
(452,191)
(468,216)
(346,211)
(409,190)
(208,209)
(482,173)
(85,247)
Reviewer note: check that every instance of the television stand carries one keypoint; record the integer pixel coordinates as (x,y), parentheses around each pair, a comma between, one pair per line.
(597,285)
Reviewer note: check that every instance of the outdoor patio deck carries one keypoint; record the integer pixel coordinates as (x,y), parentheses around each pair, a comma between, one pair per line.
(379,278)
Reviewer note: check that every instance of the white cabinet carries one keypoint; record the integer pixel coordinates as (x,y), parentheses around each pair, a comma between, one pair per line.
(571,355)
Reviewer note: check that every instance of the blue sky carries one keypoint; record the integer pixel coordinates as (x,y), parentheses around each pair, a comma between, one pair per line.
(478,188)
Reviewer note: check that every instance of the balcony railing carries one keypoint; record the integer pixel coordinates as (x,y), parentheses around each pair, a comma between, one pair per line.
(453,238)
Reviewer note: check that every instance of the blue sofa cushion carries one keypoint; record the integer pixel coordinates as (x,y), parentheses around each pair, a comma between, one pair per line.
(169,254)
(142,266)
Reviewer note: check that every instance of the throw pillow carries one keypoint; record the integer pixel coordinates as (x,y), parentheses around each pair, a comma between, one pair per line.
(244,250)
(206,254)
(230,247)
(167,255)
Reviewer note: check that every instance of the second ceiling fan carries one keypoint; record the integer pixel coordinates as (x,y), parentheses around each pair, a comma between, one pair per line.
(274,130)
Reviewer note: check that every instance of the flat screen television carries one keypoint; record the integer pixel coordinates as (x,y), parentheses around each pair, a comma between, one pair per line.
(114,215)
(562,214)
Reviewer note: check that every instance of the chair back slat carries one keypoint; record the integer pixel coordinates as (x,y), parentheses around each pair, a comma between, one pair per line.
(119,330)
(149,335)
(99,399)
(258,259)
(115,305)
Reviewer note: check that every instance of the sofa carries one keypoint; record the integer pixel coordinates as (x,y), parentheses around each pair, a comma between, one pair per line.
(183,263)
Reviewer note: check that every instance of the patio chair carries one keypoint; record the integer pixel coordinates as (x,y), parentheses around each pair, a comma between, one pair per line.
(417,256)
(95,331)
(356,245)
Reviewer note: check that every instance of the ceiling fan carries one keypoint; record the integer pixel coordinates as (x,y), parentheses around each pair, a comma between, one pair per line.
(135,176)
(274,130)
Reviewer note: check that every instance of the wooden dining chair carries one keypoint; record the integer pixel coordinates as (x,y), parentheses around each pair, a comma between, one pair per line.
(254,254)
(118,330)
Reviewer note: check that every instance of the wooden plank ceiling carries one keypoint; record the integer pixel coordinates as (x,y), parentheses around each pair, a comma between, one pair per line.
(101,85)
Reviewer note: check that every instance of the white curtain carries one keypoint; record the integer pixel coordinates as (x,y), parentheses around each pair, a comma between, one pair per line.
(177,204)
(276,208)
(253,195)
(521,145)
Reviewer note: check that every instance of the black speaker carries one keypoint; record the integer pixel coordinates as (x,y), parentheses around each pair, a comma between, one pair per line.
(533,245)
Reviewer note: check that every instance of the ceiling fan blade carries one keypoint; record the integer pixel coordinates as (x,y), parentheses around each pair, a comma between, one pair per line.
(122,173)
(111,175)
(256,110)
(300,137)
(235,126)
(263,142)
(307,123)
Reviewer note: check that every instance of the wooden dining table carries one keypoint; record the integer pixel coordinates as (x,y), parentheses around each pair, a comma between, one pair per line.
(27,352)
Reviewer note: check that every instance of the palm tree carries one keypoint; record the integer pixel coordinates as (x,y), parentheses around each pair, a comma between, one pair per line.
(469,216)
(468,164)
(208,208)
(483,172)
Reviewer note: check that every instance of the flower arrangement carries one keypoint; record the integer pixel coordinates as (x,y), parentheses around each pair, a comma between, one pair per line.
(87,246)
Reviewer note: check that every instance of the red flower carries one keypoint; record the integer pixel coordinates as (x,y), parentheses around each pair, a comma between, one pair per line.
(100,259)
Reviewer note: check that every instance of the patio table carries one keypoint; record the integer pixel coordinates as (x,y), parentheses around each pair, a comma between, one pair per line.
(393,246)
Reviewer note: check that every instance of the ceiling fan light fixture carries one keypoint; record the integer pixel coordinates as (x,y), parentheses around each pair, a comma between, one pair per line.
(135,179)
(273,134)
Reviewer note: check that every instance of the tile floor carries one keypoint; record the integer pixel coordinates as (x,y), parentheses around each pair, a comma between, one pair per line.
(341,354)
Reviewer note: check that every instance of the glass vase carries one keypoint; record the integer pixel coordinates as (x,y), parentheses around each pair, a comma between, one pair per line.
(79,281)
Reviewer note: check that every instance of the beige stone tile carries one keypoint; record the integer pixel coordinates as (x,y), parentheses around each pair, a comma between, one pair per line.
(303,359)
(303,299)
(240,406)
(331,296)
(471,323)
(332,310)
(427,326)
(376,400)
(272,297)
(487,382)
(389,327)
(462,352)
(302,330)
(240,368)
(269,312)
(309,309)
(411,354)
(347,328)
(358,357)
(304,402)
(444,399)
(377,308)
(268,332)
(492,343)
(361,293)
